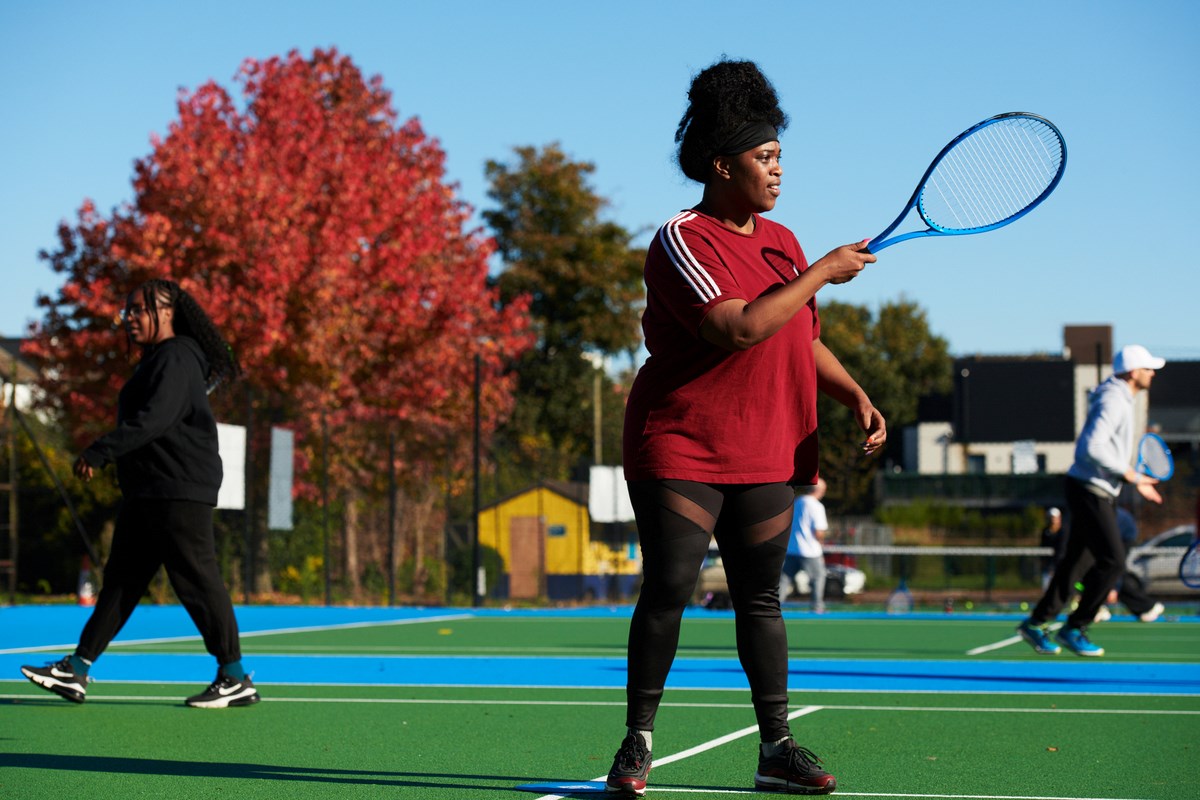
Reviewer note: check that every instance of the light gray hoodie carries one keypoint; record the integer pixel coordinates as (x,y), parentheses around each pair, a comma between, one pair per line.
(1105,446)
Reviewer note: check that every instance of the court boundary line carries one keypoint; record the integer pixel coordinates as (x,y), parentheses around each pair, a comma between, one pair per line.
(987,648)
(703,747)
(686,790)
(806,710)
(673,689)
(249,634)
(616,703)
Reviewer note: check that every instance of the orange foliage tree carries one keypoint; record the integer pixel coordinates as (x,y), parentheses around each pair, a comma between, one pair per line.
(319,233)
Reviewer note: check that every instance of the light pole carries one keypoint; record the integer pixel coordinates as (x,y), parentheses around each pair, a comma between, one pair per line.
(476,566)
(597,362)
(325,504)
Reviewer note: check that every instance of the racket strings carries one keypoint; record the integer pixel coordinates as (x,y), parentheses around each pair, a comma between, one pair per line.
(1189,567)
(992,174)
(1156,458)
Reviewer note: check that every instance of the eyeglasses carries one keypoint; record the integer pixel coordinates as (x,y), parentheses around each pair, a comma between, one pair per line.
(132,311)
(139,310)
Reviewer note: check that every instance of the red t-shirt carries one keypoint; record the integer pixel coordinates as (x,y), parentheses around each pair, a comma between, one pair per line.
(699,412)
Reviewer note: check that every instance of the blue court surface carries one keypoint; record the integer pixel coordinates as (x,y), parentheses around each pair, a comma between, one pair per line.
(35,634)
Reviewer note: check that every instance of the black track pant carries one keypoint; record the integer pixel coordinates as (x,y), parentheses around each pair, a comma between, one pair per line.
(177,534)
(1094,534)
(1131,592)
(676,520)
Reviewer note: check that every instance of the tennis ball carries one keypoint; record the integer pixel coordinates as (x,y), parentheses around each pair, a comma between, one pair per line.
(1024,606)
(970,605)
(445,631)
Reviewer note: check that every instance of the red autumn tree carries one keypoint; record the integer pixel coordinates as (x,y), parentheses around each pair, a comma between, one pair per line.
(321,236)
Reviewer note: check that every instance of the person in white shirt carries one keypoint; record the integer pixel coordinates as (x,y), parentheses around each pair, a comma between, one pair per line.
(1103,458)
(809,525)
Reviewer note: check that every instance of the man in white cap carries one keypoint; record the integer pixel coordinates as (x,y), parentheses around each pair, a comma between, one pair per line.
(1103,455)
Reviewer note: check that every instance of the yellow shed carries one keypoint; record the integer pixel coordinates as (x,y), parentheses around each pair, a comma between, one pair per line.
(546,540)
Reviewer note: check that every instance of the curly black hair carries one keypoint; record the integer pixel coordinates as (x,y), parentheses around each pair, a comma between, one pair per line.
(192,321)
(721,99)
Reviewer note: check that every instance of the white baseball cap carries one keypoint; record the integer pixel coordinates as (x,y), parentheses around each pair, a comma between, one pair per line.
(1053,512)
(1134,356)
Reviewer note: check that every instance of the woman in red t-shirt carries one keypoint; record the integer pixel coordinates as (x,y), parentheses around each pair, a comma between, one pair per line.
(722,418)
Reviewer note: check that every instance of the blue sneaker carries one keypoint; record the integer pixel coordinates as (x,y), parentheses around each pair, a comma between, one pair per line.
(1075,640)
(1037,638)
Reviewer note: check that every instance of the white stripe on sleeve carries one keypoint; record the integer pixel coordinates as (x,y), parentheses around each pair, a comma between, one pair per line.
(682,259)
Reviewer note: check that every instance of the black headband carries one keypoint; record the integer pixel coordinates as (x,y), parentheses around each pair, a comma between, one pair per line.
(749,135)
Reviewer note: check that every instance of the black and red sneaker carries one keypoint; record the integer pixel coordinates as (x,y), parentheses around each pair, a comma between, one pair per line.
(793,770)
(630,766)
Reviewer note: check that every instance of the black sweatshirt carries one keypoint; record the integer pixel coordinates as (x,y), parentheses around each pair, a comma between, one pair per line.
(165,443)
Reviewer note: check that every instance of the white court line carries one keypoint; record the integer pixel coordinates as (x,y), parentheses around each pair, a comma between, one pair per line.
(250,634)
(987,648)
(799,713)
(697,689)
(715,742)
(700,748)
(840,793)
(369,624)
(416,701)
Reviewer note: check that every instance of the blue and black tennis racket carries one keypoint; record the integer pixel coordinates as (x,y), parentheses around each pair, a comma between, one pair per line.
(991,174)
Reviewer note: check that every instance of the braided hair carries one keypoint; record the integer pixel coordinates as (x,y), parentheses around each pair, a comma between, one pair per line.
(722,99)
(191,320)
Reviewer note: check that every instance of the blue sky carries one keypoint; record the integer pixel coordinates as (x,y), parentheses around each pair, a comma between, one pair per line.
(874,89)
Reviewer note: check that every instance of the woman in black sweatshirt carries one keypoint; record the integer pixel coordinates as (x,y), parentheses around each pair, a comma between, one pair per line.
(169,471)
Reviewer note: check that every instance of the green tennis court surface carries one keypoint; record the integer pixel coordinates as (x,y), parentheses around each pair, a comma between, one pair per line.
(450,703)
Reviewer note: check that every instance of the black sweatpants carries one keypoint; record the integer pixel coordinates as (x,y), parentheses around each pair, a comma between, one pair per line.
(1131,592)
(1094,534)
(676,520)
(177,534)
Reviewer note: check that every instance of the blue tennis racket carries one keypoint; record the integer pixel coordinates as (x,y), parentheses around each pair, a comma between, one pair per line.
(1154,458)
(990,175)
(1189,566)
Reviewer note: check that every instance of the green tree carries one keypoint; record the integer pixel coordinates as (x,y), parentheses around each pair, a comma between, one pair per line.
(50,551)
(897,359)
(584,281)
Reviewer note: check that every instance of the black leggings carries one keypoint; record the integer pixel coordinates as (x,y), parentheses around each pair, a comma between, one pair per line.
(676,520)
(177,534)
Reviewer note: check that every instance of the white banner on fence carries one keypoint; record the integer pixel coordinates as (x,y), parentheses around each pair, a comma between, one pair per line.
(231,441)
(1024,457)
(279,496)
(608,495)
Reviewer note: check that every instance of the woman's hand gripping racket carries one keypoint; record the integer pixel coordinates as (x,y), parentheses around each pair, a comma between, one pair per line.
(991,174)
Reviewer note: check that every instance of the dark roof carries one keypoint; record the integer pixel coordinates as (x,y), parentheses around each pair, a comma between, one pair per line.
(1010,399)
(1177,385)
(935,408)
(1006,398)
(10,353)
(1175,400)
(1088,344)
(575,491)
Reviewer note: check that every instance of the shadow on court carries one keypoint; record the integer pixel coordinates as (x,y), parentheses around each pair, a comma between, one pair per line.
(267,772)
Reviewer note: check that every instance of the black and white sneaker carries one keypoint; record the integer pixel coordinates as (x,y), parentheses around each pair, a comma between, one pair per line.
(226,692)
(60,678)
